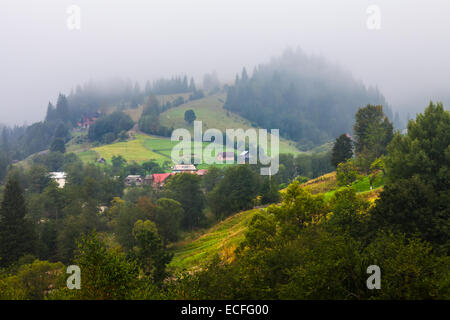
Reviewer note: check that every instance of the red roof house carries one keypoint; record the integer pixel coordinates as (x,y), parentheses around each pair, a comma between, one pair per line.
(159,178)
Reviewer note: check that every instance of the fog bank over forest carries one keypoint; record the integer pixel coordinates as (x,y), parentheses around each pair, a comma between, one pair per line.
(407,59)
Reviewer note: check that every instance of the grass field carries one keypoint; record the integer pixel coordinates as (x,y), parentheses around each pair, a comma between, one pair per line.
(327,185)
(362,187)
(221,239)
(133,150)
(210,111)
(142,148)
(88,156)
(322,184)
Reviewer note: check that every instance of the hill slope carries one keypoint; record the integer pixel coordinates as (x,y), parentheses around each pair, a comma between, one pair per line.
(221,239)
(141,148)
(135,114)
(210,111)
(144,147)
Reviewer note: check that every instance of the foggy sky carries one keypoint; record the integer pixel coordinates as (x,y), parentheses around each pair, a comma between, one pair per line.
(408,58)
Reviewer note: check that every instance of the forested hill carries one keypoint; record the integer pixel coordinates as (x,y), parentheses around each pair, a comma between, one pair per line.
(310,100)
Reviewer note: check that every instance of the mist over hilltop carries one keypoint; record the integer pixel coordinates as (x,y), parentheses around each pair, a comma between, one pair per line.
(407,58)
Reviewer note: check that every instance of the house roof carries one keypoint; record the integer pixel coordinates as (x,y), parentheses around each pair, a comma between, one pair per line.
(202,172)
(184,167)
(134,177)
(160,177)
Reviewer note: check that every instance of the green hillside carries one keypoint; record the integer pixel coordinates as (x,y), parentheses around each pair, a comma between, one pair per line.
(221,239)
(138,149)
(210,111)
(142,147)
(224,237)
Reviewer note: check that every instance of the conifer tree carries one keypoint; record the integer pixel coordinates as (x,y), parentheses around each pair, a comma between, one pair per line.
(62,108)
(17,236)
(342,150)
(192,85)
(51,113)
(244,76)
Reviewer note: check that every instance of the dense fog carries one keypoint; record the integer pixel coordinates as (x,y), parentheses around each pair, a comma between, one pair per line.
(43,52)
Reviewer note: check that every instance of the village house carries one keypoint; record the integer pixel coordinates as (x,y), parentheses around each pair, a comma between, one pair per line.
(159,179)
(134,180)
(59,177)
(87,120)
(148,179)
(184,168)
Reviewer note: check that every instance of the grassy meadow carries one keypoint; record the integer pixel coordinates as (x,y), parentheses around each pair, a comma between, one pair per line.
(220,239)
(142,148)
(210,111)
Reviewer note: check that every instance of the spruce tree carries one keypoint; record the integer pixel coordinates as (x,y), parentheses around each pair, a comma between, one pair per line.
(244,76)
(50,112)
(342,150)
(16,233)
(58,145)
(192,87)
(62,108)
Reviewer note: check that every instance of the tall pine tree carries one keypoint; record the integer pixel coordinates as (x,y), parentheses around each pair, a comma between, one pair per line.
(17,236)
